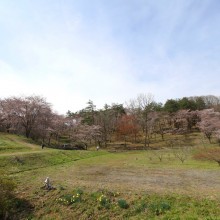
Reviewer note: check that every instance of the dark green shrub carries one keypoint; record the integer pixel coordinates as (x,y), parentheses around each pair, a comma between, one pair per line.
(79,191)
(123,204)
(104,201)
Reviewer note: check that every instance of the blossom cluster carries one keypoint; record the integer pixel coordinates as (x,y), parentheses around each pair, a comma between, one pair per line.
(69,199)
(102,199)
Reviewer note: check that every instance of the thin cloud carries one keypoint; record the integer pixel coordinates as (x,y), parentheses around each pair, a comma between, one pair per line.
(73,51)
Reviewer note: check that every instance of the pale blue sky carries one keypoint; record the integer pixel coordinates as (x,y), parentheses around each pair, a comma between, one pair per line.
(70,51)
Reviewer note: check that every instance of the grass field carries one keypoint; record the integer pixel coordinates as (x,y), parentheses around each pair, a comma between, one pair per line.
(149,184)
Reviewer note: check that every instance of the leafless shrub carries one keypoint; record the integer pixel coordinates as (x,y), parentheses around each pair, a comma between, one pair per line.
(211,154)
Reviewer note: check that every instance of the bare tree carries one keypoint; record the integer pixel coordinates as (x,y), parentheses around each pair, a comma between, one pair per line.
(161,125)
(180,149)
(159,154)
(211,101)
(182,153)
(143,106)
(106,120)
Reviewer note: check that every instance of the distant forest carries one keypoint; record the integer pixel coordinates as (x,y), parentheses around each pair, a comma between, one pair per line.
(136,122)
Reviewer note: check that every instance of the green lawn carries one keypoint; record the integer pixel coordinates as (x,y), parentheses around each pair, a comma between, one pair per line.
(131,185)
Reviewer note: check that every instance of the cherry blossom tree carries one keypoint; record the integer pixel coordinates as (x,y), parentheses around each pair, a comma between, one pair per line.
(26,112)
(86,134)
(210,122)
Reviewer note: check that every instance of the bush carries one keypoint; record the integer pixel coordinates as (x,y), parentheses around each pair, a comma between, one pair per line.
(211,154)
(78,191)
(104,201)
(123,204)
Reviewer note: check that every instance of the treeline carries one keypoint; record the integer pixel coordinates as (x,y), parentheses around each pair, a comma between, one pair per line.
(137,122)
(192,103)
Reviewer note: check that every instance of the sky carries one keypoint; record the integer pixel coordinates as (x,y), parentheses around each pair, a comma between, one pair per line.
(109,51)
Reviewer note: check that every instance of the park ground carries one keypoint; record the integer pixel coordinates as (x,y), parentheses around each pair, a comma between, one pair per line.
(141,184)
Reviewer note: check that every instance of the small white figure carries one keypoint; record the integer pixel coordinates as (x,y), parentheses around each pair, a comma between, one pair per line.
(97,148)
(47,183)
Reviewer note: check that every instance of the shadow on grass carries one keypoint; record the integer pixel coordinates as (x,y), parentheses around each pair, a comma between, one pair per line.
(17,209)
